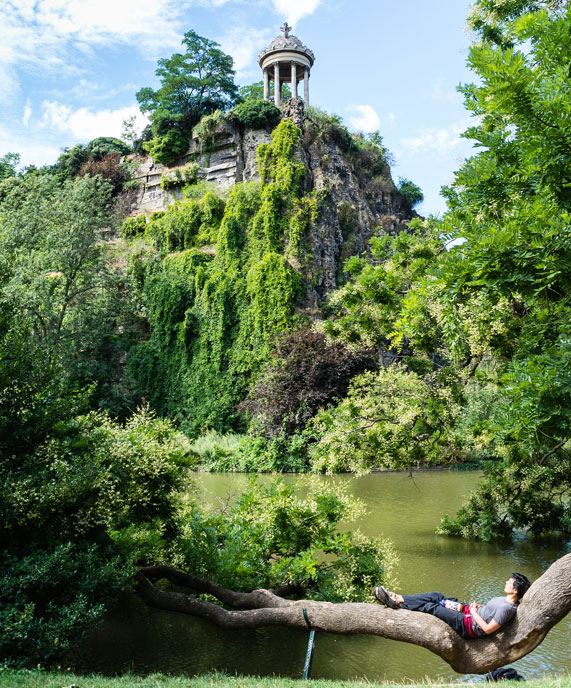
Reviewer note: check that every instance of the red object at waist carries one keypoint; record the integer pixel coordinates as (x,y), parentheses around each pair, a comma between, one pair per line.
(469,622)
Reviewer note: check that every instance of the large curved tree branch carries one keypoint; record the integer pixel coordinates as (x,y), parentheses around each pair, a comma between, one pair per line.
(545,604)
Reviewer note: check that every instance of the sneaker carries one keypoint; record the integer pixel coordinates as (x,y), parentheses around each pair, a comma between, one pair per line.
(386,597)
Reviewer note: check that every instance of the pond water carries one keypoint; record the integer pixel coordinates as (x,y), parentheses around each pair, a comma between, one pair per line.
(407,510)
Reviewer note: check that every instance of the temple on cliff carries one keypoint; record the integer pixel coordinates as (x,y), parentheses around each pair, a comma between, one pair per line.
(286,60)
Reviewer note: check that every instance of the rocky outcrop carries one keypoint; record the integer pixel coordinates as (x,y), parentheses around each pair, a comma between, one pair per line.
(228,158)
(358,198)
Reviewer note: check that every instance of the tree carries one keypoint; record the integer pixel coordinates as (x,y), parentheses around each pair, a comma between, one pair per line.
(492,313)
(193,84)
(306,373)
(8,165)
(70,161)
(545,604)
(511,204)
(105,145)
(255,91)
(58,274)
(411,191)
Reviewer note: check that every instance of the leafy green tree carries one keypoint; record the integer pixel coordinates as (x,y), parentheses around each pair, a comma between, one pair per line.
(255,91)
(257,113)
(60,276)
(511,204)
(392,419)
(411,191)
(104,145)
(8,165)
(69,163)
(193,84)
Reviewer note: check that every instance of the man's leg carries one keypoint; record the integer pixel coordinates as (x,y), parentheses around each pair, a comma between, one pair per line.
(429,603)
(424,602)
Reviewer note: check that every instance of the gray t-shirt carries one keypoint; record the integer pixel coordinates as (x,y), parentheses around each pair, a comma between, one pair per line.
(498,609)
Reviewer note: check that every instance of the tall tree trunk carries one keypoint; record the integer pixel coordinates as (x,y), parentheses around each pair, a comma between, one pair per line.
(546,602)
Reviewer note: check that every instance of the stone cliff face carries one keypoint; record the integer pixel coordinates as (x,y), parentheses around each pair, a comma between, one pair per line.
(230,158)
(357,202)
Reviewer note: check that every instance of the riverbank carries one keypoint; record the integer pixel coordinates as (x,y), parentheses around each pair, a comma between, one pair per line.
(46,679)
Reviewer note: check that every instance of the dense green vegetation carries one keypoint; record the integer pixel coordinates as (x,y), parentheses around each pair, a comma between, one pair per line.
(88,496)
(216,302)
(193,84)
(132,351)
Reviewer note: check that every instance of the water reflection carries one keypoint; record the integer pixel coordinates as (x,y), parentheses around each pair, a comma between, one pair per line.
(407,511)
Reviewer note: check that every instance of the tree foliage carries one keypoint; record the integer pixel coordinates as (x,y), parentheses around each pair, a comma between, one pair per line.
(411,191)
(306,373)
(215,307)
(8,165)
(193,84)
(257,114)
(484,322)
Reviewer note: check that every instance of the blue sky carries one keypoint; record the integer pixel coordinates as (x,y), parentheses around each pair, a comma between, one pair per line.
(70,69)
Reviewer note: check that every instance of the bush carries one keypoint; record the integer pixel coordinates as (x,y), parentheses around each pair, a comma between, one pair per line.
(104,145)
(321,127)
(257,114)
(410,191)
(167,147)
(76,513)
(306,374)
(251,453)
(206,129)
(180,177)
(132,226)
(108,167)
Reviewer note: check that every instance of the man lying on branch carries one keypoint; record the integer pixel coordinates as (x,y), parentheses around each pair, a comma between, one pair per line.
(469,621)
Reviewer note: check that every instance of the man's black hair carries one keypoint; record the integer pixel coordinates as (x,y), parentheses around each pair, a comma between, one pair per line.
(521,584)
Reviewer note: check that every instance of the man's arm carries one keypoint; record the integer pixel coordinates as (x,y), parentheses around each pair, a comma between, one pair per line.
(487,627)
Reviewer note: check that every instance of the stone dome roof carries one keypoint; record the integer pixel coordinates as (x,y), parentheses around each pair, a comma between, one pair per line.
(286,43)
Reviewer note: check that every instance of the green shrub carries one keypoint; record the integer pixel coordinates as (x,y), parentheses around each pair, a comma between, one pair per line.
(167,147)
(179,177)
(320,127)
(104,145)
(257,114)
(206,129)
(410,191)
(133,226)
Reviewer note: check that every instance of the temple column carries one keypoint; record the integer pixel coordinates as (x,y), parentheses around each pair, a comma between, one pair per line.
(277,85)
(266,84)
(294,79)
(306,87)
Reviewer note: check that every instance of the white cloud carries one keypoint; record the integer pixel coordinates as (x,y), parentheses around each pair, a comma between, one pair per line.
(442,140)
(27,113)
(365,120)
(31,149)
(294,10)
(244,43)
(83,124)
(41,34)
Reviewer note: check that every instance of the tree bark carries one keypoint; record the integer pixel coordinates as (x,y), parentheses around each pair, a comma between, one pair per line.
(547,602)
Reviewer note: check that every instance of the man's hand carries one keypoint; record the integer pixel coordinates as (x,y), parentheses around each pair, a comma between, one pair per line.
(490,627)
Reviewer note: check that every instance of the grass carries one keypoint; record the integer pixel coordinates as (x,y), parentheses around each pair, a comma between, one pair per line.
(44,679)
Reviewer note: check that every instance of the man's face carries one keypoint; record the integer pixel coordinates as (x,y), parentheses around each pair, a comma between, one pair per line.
(509,587)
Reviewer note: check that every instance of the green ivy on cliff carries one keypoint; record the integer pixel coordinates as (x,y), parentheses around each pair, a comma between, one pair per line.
(224,281)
